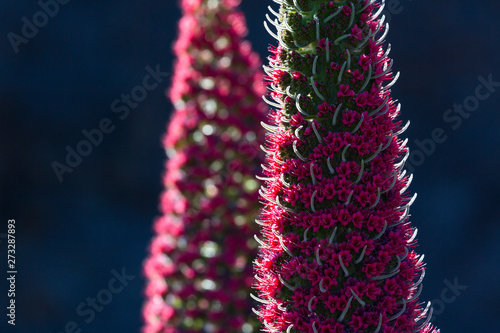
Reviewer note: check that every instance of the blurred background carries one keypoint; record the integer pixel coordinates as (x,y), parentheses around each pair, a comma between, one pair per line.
(75,229)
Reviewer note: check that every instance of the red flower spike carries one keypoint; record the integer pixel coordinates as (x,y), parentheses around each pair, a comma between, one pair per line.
(335,229)
(199,270)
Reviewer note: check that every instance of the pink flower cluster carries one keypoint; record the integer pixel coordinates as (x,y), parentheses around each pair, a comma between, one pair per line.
(199,271)
(336,244)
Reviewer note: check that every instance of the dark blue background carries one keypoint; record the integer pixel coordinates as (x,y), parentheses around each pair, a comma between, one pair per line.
(71,234)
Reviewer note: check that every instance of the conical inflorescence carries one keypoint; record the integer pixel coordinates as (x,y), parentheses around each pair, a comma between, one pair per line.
(336,244)
(199,271)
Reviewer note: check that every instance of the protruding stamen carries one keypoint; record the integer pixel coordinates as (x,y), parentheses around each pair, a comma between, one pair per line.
(363,42)
(389,67)
(289,329)
(389,140)
(273,129)
(394,177)
(381,232)
(375,154)
(427,308)
(297,135)
(312,201)
(282,178)
(309,305)
(330,241)
(401,163)
(316,89)
(278,203)
(406,254)
(298,7)
(408,182)
(297,104)
(368,3)
(320,139)
(412,200)
(378,199)
(313,177)
(327,51)
(273,12)
(382,277)
(359,124)
(314,327)
(333,15)
(414,297)
(329,164)
(399,313)
(337,111)
(360,301)
(297,152)
(275,36)
(268,152)
(276,105)
(338,40)
(273,22)
(380,108)
(349,198)
(341,318)
(379,324)
(368,77)
(388,86)
(261,223)
(403,129)
(284,247)
(292,288)
(382,38)
(379,10)
(270,328)
(361,256)
(412,238)
(386,54)
(339,78)
(259,241)
(321,288)
(316,19)
(344,151)
(317,257)
(346,272)
(315,62)
(403,217)
(353,14)
(361,169)
(305,234)
(426,321)
(259,299)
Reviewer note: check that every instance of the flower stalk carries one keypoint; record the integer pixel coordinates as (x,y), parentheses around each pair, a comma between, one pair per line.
(336,243)
(199,270)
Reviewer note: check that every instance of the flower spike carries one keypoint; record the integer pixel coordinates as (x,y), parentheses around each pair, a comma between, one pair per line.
(339,149)
(212,139)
